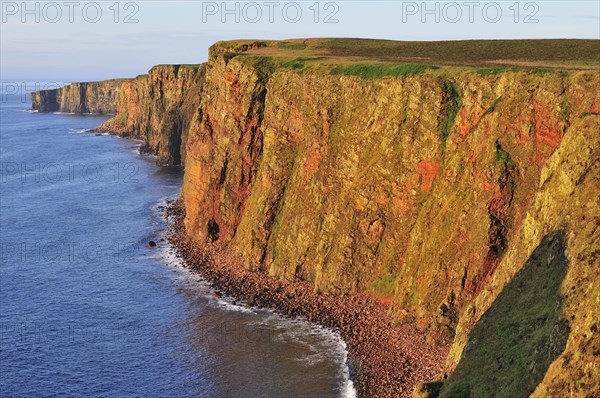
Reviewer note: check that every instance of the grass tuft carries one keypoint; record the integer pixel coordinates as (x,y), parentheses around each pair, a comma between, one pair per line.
(378,71)
(496,70)
(451,105)
(384,286)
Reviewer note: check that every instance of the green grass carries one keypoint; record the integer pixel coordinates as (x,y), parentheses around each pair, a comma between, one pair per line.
(495,70)
(384,286)
(298,63)
(263,65)
(565,108)
(293,64)
(292,45)
(378,71)
(584,114)
(451,105)
(470,51)
(492,107)
(371,58)
(510,348)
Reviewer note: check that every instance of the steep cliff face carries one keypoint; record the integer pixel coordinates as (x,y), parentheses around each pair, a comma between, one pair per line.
(158,107)
(565,199)
(45,100)
(429,188)
(93,97)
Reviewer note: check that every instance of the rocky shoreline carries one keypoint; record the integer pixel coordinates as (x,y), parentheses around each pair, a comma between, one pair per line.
(388,360)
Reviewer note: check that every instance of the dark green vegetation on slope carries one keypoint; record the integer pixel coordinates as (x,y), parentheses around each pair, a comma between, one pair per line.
(378,71)
(510,348)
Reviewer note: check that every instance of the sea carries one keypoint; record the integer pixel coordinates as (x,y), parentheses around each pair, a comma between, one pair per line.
(87,310)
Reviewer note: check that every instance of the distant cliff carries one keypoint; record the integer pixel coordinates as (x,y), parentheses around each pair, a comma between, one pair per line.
(158,108)
(94,97)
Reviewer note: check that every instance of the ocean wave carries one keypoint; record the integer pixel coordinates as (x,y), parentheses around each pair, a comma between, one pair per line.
(289,329)
(348,389)
(78,131)
(186,277)
(296,329)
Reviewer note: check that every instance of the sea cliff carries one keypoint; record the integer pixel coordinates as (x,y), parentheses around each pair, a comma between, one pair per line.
(429,187)
(463,197)
(158,108)
(93,97)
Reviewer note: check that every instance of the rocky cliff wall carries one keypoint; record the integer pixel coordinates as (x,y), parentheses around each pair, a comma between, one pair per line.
(430,189)
(93,97)
(158,108)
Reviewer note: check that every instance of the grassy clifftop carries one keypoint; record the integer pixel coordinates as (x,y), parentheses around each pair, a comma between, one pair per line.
(544,53)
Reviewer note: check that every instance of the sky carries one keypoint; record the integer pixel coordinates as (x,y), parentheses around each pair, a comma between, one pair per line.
(94,40)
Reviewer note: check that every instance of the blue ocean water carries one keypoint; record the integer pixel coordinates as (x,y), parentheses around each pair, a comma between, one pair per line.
(87,310)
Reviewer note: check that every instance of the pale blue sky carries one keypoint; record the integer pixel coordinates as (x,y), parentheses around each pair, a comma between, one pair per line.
(175,32)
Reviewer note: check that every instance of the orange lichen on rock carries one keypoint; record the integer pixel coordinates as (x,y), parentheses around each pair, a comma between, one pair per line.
(428,171)
(469,117)
(548,132)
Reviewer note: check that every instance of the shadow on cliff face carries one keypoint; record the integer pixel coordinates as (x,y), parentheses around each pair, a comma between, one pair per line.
(514,342)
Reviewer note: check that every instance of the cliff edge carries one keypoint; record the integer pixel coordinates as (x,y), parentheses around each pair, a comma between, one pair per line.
(156,108)
(93,97)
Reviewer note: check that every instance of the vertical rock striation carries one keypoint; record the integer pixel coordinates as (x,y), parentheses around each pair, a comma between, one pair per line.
(158,108)
(93,97)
